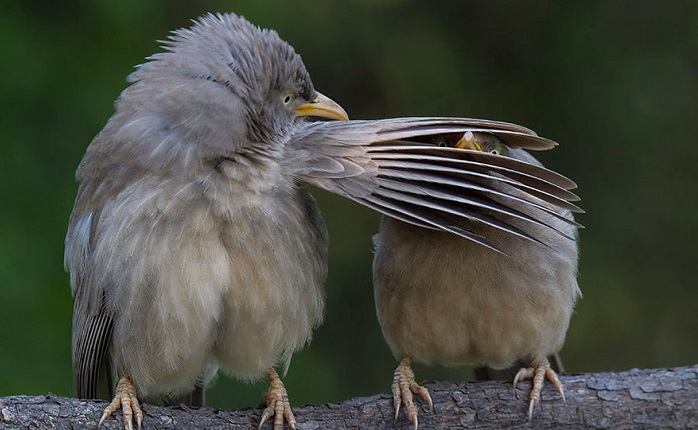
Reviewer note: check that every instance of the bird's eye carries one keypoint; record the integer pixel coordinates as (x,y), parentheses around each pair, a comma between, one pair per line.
(495,151)
(287,99)
(441,144)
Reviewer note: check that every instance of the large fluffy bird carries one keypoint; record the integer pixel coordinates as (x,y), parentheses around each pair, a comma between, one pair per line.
(445,299)
(192,247)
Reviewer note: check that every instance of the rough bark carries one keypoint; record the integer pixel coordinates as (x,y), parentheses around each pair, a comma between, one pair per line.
(656,398)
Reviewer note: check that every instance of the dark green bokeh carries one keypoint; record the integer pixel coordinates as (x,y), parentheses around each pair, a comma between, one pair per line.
(616,83)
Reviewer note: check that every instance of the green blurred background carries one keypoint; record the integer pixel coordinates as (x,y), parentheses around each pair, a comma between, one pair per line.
(615,82)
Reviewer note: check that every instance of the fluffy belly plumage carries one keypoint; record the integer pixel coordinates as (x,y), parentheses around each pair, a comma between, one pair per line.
(449,304)
(243,296)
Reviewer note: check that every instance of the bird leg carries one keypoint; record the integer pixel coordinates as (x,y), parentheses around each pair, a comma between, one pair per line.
(539,371)
(277,404)
(125,397)
(403,387)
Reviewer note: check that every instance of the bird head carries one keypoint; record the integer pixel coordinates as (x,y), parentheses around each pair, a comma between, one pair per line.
(484,142)
(220,88)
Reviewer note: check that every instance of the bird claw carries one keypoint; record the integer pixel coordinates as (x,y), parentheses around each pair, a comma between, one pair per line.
(404,387)
(277,404)
(125,397)
(539,371)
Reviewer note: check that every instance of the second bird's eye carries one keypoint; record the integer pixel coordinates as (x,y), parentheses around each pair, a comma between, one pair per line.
(495,152)
(286,99)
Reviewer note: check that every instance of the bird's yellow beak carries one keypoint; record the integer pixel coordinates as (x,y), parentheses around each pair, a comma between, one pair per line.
(322,107)
(468,141)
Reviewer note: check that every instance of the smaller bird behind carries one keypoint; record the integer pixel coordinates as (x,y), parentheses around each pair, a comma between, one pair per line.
(448,300)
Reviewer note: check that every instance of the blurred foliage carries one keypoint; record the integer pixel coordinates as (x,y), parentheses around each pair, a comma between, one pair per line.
(615,82)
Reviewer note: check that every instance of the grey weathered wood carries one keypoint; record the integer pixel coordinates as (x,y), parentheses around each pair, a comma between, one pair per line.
(655,398)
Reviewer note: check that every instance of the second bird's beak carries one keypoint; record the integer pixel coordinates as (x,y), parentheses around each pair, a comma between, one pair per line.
(468,141)
(322,107)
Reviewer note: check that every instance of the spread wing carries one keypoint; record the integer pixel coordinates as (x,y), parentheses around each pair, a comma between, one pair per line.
(391,166)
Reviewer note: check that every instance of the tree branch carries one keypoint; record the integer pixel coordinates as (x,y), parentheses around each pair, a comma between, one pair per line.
(655,398)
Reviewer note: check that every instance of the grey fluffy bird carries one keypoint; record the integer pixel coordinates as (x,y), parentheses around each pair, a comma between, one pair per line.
(445,299)
(192,246)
